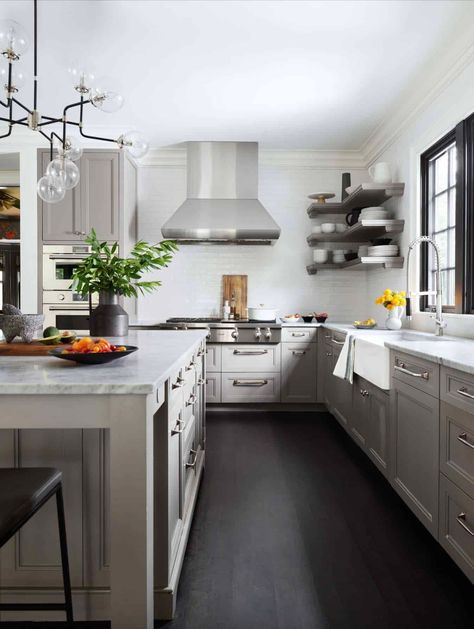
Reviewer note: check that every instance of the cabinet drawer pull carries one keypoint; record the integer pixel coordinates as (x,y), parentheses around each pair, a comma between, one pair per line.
(190,366)
(192,400)
(364,393)
(401,367)
(463,391)
(200,353)
(328,353)
(178,430)
(463,439)
(338,342)
(192,464)
(249,352)
(179,383)
(250,383)
(201,381)
(327,336)
(298,334)
(299,352)
(462,521)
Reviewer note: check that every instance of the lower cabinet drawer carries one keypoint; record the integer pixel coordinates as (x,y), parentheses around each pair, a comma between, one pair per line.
(213,388)
(456,525)
(251,358)
(191,464)
(416,372)
(248,388)
(457,446)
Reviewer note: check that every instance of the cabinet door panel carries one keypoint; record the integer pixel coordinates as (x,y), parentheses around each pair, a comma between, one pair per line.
(60,220)
(414,452)
(213,388)
(341,392)
(377,434)
(32,557)
(360,412)
(100,193)
(299,365)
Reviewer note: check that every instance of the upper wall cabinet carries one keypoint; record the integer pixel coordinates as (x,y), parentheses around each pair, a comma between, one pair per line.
(97,202)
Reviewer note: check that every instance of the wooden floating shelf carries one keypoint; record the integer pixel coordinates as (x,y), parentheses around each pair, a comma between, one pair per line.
(358,264)
(365,195)
(363,231)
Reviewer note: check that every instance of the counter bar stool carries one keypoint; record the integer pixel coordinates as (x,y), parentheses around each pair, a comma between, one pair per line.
(22,492)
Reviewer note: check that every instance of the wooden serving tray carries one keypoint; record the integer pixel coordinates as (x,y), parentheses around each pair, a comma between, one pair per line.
(27,349)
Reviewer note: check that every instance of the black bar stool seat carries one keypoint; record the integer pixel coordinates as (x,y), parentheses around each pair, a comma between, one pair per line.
(22,492)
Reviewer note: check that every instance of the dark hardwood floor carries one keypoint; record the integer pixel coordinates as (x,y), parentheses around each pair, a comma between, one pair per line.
(296,529)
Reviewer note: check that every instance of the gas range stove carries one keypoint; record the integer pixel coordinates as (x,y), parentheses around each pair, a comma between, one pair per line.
(228,331)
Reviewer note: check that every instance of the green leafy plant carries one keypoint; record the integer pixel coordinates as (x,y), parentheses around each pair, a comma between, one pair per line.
(104,270)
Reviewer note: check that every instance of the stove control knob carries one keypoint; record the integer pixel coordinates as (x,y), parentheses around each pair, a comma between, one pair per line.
(235,334)
(258,333)
(61,297)
(268,334)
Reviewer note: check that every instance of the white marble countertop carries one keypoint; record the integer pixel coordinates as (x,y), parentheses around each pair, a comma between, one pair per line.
(160,352)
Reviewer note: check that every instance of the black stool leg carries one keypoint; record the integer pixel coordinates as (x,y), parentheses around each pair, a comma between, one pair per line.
(64,555)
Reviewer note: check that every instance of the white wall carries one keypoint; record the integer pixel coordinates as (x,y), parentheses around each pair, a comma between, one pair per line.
(453,104)
(192,285)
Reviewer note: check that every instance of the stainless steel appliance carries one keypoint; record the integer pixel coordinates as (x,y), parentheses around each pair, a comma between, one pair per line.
(10,275)
(222,203)
(220,331)
(62,307)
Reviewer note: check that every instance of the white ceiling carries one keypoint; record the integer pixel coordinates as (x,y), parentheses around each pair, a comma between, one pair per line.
(288,74)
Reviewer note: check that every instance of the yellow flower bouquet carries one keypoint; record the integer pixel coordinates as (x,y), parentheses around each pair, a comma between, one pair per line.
(391,299)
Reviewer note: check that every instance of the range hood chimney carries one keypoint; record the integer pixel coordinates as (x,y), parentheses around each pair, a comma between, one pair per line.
(222,205)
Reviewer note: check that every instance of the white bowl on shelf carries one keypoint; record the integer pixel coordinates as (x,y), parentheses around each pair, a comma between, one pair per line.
(338,259)
(341,228)
(328,228)
(320,256)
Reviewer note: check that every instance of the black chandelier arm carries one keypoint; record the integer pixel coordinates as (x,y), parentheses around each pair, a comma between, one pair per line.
(5,135)
(52,121)
(80,104)
(95,137)
(35,38)
(12,98)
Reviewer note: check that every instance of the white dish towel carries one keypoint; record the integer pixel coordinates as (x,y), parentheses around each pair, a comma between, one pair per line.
(344,368)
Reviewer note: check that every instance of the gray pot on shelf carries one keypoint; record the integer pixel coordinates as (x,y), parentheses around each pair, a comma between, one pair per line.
(108,318)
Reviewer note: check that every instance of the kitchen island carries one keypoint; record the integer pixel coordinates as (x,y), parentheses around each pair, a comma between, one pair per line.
(129,437)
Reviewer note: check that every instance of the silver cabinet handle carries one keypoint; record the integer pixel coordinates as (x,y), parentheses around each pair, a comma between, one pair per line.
(201,381)
(179,383)
(328,353)
(190,366)
(463,439)
(298,334)
(463,391)
(68,256)
(462,521)
(77,232)
(192,464)
(327,336)
(244,352)
(364,393)
(299,352)
(69,307)
(178,429)
(200,353)
(338,342)
(250,383)
(192,400)
(401,367)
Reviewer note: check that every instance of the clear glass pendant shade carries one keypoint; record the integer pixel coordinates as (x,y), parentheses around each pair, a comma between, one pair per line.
(104,96)
(135,143)
(65,170)
(51,189)
(82,77)
(18,78)
(72,149)
(13,39)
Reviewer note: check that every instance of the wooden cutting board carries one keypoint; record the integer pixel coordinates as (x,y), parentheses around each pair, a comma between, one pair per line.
(236,285)
(26,349)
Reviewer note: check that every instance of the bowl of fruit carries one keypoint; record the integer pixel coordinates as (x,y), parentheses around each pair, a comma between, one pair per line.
(367,324)
(88,351)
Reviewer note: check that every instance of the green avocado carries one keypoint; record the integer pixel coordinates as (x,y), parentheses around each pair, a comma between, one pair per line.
(51,340)
(51,331)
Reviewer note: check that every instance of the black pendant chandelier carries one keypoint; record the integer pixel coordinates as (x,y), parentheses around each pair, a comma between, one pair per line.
(61,173)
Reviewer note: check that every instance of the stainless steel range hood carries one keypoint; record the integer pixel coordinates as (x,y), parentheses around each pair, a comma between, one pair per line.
(222,205)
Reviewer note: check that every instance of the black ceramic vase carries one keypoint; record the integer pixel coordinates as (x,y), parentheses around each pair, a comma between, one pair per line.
(108,318)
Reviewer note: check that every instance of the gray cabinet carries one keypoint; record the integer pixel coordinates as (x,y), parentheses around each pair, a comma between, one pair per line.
(341,394)
(299,369)
(414,451)
(359,420)
(96,202)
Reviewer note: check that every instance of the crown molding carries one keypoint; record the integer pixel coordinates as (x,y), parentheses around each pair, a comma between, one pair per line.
(310,159)
(443,69)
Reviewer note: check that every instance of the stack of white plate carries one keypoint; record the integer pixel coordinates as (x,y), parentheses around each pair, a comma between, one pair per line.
(377,212)
(383,251)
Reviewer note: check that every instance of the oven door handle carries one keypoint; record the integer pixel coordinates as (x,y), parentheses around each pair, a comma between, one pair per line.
(68,256)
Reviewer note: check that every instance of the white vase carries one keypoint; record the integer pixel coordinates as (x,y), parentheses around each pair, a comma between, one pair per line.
(394,321)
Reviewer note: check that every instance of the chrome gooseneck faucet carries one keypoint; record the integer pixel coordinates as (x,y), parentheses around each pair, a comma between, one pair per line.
(439,321)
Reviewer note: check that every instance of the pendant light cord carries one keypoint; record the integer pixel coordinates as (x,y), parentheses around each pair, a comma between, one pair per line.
(35,96)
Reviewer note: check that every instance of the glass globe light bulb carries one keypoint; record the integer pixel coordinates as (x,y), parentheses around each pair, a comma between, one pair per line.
(18,78)
(13,39)
(134,142)
(72,149)
(51,189)
(104,96)
(82,77)
(65,170)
